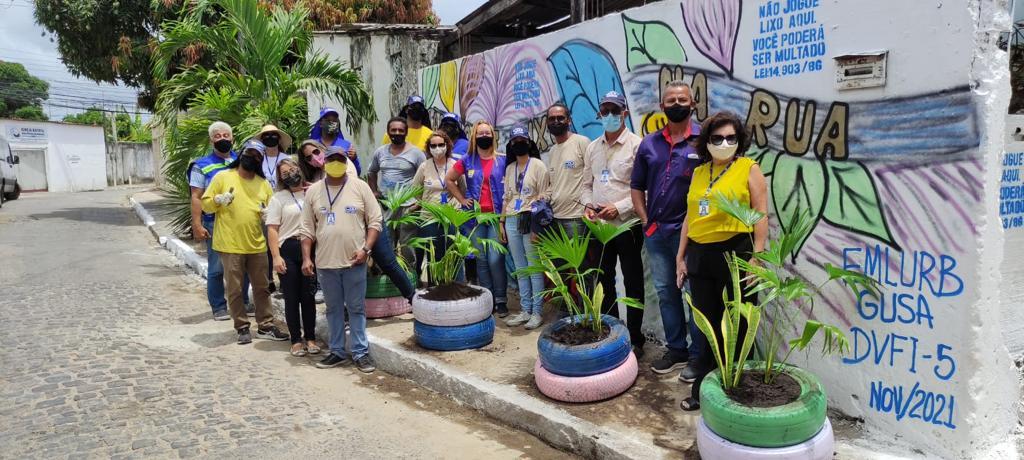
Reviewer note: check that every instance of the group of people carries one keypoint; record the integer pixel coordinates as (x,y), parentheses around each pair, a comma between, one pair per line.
(323,222)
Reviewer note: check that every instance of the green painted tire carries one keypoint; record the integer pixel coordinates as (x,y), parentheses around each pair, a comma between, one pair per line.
(381,287)
(778,426)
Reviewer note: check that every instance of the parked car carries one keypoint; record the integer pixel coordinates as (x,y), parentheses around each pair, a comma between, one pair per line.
(9,188)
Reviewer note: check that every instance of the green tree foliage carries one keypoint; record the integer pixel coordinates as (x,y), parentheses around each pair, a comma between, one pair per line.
(128,129)
(20,92)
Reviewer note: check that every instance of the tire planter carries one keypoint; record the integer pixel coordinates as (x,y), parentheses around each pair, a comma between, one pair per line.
(779,426)
(383,308)
(453,312)
(588,359)
(452,338)
(714,447)
(381,287)
(589,388)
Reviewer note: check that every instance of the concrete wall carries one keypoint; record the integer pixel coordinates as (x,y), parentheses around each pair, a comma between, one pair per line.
(75,154)
(902,179)
(388,63)
(129,163)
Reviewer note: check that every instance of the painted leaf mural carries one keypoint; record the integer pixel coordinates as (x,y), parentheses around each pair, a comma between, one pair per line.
(516,85)
(651,42)
(797,186)
(470,74)
(585,72)
(765,158)
(713,27)
(447,84)
(853,203)
(428,84)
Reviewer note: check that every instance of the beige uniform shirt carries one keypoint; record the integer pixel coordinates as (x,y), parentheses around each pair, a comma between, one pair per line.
(567,166)
(610,167)
(285,210)
(355,212)
(431,178)
(535,185)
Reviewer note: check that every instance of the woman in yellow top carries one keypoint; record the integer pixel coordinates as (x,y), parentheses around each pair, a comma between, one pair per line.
(708,233)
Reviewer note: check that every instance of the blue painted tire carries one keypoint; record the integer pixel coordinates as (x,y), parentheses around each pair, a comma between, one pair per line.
(583,360)
(452,338)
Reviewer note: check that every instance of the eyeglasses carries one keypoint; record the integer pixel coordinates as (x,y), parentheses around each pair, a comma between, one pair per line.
(438,145)
(615,111)
(715,139)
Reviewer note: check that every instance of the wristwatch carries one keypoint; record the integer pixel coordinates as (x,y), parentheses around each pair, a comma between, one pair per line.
(367,250)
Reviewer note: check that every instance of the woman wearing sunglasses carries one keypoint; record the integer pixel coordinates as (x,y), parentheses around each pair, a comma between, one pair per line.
(709,234)
(311,160)
(431,176)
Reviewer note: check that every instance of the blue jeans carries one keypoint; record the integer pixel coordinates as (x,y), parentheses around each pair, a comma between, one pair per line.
(345,288)
(383,254)
(215,276)
(523,253)
(490,264)
(661,253)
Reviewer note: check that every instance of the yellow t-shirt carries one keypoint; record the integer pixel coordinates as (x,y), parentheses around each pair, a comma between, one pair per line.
(717,226)
(238,228)
(416,137)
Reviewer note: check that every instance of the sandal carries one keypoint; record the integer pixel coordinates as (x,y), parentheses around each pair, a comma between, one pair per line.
(298,350)
(312,347)
(689,404)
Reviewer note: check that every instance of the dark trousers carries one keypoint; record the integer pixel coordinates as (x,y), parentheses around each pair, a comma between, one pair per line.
(383,254)
(625,249)
(440,243)
(709,275)
(299,289)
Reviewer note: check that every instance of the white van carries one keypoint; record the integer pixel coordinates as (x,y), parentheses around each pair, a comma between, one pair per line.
(9,188)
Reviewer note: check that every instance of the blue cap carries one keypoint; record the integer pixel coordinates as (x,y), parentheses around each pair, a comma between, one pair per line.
(315,133)
(335,151)
(614,97)
(414,99)
(253,144)
(453,117)
(519,130)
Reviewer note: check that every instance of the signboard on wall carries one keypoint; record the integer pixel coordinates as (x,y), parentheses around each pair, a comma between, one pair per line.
(27,134)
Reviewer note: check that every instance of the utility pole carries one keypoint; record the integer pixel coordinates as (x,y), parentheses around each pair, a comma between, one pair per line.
(578,11)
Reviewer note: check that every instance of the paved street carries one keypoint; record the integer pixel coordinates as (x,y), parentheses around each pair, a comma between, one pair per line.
(108,350)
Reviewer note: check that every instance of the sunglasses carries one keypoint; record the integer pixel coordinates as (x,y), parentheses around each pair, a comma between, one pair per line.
(438,145)
(716,139)
(615,111)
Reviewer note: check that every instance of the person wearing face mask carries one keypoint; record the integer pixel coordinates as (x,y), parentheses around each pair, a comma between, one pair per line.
(417,121)
(708,233)
(201,173)
(327,131)
(528,182)
(238,197)
(430,176)
(662,170)
(484,171)
(451,124)
(567,166)
(277,142)
(606,193)
(311,160)
(284,225)
(342,217)
(394,166)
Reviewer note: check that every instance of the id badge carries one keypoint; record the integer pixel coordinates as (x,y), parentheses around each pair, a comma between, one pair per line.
(704,207)
(518,204)
(444,197)
(605,176)
(330,218)
(470,173)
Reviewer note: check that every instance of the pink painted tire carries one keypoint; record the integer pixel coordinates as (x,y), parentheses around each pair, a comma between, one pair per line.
(589,388)
(715,447)
(390,306)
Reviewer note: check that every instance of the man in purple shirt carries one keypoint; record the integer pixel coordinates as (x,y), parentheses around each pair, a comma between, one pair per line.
(661,177)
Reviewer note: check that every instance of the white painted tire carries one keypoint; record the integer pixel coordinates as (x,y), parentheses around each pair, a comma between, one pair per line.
(714,447)
(590,388)
(387,307)
(460,312)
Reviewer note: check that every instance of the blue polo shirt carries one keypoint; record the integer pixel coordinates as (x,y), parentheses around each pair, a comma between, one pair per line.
(664,170)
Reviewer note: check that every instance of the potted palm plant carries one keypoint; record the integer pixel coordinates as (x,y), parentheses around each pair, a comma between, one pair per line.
(768,405)
(586,356)
(452,314)
(383,298)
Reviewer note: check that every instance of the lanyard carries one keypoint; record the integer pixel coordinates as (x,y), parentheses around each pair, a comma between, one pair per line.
(521,178)
(297,203)
(711,180)
(273,171)
(336,195)
(440,178)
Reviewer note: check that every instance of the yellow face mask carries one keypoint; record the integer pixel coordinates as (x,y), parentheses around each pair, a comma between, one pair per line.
(335,168)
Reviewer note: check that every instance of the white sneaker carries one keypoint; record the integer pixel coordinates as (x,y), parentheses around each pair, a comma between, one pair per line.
(535,321)
(517,320)
(319,296)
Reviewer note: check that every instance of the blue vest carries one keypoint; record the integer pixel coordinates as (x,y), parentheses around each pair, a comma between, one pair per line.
(210,165)
(474,180)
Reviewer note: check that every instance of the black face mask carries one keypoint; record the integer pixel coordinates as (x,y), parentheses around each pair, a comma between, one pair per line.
(558,129)
(416,112)
(519,149)
(271,141)
(222,146)
(249,163)
(485,142)
(677,113)
(451,130)
(330,128)
(292,181)
(397,139)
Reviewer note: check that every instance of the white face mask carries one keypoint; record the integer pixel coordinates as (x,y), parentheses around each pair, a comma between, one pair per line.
(722,152)
(438,152)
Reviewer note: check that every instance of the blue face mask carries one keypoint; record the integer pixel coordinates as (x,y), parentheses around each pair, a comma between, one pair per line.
(611,123)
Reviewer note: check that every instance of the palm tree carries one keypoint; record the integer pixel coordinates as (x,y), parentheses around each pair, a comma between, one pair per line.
(263,64)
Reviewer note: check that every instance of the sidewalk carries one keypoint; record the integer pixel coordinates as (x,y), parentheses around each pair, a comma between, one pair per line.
(643,423)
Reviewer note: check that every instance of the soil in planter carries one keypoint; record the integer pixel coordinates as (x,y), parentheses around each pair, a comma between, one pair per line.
(578,334)
(753,392)
(451,291)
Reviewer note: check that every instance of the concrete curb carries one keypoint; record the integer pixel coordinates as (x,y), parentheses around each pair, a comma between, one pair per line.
(501,402)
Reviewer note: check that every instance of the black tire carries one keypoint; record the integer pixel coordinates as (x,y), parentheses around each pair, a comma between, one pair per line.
(3,184)
(15,194)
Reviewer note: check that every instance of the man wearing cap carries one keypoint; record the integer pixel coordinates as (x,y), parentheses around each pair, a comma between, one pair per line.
(393,166)
(238,197)
(342,217)
(327,131)
(451,124)
(200,174)
(662,170)
(417,121)
(607,197)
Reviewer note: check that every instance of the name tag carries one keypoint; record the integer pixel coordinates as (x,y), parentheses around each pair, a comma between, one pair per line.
(330,218)
(518,204)
(605,176)
(570,164)
(350,209)
(704,207)
(428,182)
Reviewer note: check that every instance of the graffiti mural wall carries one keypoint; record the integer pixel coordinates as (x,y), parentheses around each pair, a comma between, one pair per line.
(894,174)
